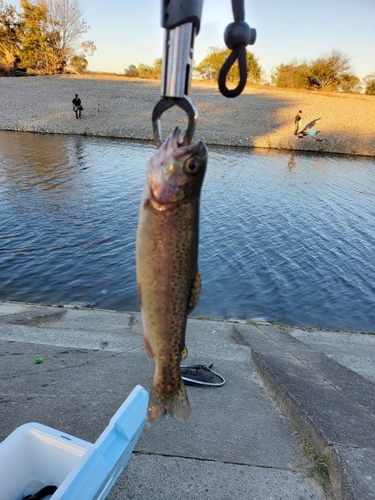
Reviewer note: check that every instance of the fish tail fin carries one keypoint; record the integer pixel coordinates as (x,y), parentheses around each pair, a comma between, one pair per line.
(177,405)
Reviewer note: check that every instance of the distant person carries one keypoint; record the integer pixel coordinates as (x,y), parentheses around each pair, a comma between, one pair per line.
(77,106)
(297,122)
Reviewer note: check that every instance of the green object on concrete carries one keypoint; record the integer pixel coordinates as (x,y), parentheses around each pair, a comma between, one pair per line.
(38,361)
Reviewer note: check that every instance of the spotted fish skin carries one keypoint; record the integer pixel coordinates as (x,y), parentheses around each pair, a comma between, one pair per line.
(167,269)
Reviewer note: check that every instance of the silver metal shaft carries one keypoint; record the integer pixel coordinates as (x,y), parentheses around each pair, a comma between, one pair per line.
(177,61)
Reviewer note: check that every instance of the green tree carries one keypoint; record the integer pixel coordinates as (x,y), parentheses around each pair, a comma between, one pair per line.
(327,71)
(10,26)
(34,37)
(293,75)
(157,67)
(44,35)
(40,41)
(330,72)
(131,71)
(78,64)
(211,65)
(144,71)
(369,83)
(350,84)
(370,89)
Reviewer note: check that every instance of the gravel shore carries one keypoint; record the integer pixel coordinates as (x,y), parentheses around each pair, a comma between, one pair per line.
(119,107)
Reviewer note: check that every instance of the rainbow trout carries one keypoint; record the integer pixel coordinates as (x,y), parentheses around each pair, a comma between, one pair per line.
(167,271)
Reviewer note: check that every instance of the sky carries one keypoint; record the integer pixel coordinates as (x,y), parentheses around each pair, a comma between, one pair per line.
(129,31)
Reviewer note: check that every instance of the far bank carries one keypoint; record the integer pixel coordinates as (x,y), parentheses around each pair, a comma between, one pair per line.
(261,117)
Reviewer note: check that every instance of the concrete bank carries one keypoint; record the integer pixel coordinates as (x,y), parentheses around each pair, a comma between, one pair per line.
(262,117)
(291,422)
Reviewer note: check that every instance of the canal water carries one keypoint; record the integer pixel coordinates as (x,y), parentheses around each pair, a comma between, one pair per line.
(285,236)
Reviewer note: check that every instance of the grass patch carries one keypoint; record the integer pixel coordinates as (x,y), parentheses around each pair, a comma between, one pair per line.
(317,465)
(320,463)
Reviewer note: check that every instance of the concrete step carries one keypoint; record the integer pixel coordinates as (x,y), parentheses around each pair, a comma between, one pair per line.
(238,443)
(332,407)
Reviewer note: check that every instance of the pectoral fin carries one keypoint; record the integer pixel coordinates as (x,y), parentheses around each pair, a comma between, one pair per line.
(195,292)
(184,353)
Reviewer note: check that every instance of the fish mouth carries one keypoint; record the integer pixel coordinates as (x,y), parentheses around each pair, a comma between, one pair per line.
(178,146)
(159,200)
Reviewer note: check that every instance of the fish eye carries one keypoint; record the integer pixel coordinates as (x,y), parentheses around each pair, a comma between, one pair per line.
(191,166)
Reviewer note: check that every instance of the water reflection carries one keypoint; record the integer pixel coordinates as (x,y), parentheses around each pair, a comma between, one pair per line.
(292,162)
(284,235)
(43,164)
(79,152)
(49,153)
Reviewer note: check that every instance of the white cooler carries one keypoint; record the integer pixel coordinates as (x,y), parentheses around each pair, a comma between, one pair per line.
(35,455)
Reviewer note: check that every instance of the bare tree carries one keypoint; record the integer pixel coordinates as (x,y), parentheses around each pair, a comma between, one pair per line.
(88,47)
(66,18)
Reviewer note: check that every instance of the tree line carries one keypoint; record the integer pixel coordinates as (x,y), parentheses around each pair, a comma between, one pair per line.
(43,36)
(331,72)
(208,69)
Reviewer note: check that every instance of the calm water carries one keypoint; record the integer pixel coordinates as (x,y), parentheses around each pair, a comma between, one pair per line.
(284,236)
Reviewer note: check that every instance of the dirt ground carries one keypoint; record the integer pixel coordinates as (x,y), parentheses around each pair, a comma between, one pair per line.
(121,107)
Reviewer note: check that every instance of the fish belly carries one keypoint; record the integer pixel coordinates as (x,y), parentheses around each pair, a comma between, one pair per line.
(166,267)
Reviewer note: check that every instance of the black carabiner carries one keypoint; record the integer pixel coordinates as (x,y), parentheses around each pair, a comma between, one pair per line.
(240,54)
(237,36)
